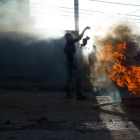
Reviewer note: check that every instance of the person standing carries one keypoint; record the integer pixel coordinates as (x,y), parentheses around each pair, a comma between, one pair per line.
(69,51)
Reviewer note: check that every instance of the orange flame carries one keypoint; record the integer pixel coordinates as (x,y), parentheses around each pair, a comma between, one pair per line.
(124,76)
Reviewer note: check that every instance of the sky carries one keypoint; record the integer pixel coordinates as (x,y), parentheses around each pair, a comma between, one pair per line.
(59,14)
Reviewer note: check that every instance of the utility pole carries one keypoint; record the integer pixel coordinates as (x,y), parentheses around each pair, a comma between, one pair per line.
(76,15)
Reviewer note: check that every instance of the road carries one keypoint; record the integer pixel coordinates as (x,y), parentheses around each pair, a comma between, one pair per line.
(41,115)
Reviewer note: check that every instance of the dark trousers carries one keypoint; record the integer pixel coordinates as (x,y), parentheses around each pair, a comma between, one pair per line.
(71,74)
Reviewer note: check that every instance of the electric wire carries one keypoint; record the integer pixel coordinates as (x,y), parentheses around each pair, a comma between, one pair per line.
(59,14)
(82,10)
(63,11)
(65,7)
(87,10)
(135,11)
(76,16)
(115,3)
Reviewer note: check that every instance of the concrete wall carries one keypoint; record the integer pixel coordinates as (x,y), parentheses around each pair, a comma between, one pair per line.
(40,61)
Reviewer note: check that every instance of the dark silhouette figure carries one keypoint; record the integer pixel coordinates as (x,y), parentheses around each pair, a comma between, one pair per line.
(85,41)
(69,50)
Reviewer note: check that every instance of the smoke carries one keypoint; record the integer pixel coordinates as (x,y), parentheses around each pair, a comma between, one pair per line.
(14,15)
(36,55)
(115,34)
(118,34)
(28,54)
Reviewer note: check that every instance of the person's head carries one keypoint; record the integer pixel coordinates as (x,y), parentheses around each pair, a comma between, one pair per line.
(68,36)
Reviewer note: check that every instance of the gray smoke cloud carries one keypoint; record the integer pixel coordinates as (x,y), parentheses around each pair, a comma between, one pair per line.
(118,34)
(115,34)
(14,15)
(26,53)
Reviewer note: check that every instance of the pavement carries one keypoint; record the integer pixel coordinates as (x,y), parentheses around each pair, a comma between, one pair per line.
(47,115)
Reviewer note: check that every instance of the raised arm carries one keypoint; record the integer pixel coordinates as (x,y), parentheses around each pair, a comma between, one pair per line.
(80,36)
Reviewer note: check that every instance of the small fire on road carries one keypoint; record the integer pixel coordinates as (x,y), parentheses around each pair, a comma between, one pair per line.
(123,75)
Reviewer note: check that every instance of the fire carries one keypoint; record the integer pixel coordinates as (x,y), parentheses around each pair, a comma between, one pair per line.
(124,76)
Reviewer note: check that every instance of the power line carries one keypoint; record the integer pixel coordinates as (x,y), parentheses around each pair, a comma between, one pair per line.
(58,14)
(81,13)
(85,17)
(74,16)
(65,7)
(80,9)
(85,10)
(90,10)
(63,11)
(70,12)
(62,7)
(81,17)
(71,16)
(132,15)
(115,3)
(34,3)
(91,0)
(135,11)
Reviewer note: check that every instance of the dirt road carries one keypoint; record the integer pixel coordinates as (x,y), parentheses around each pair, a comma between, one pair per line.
(48,115)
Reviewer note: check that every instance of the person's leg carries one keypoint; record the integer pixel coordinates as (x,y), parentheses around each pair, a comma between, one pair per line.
(69,80)
(79,86)
(68,86)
